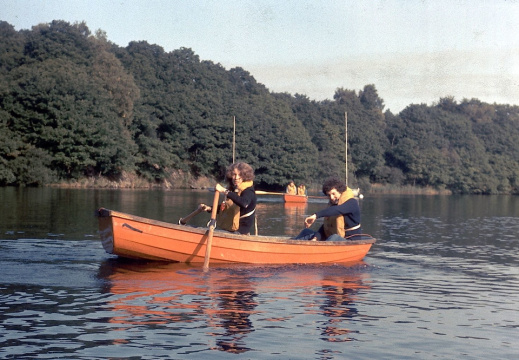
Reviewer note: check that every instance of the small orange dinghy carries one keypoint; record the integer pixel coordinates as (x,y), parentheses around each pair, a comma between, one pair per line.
(288,198)
(135,237)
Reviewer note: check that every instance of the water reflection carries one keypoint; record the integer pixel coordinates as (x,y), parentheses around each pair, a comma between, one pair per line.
(150,294)
(340,294)
(225,300)
(235,307)
(294,214)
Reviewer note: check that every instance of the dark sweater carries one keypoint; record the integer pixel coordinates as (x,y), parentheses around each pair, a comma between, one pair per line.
(247,202)
(349,209)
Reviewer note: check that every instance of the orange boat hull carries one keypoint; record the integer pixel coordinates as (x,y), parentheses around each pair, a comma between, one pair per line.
(288,198)
(140,238)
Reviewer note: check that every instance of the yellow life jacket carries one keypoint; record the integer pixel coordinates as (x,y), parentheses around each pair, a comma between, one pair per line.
(229,215)
(335,224)
(301,190)
(291,189)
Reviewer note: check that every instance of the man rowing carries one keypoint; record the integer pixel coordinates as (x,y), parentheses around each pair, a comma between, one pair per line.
(341,217)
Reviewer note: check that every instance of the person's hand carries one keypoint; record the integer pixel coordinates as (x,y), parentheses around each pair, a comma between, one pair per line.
(220,188)
(310,220)
(204,207)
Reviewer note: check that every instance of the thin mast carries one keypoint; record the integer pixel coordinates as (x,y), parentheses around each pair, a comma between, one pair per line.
(346,144)
(233,137)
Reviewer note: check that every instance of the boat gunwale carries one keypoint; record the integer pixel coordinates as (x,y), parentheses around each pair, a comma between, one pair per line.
(295,198)
(103,212)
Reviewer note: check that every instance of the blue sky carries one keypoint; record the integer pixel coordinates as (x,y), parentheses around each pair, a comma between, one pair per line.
(414,51)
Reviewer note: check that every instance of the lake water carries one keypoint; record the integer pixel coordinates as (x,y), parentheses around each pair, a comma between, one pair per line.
(442,282)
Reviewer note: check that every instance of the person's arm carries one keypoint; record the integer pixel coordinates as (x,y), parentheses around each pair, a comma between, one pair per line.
(348,207)
(244,199)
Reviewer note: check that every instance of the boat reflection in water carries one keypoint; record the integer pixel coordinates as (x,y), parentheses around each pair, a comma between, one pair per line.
(155,294)
(235,308)
(341,296)
(222,305)
(295,214)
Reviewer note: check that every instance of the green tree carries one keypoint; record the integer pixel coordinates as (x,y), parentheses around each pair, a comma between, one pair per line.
(73,104)
(61,101)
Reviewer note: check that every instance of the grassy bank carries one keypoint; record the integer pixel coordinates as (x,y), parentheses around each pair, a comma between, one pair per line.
(181,180)
(177,180)
(406,190)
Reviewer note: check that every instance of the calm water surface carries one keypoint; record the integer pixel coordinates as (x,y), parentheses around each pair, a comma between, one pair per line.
(442,282)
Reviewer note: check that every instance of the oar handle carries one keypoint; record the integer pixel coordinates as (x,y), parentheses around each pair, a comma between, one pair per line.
(212,225)
(184,220)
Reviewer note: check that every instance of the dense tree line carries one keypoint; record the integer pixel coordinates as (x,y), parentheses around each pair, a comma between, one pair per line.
(75,105)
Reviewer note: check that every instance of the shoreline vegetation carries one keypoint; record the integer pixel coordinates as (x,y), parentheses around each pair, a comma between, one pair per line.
(177,180)
(185,181)
(407,190)
(79,111)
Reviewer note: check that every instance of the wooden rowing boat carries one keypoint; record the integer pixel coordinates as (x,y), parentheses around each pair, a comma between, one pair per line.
(288,198)
(135,237)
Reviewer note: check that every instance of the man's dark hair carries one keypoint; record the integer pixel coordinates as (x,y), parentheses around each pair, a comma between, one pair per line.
(333,183)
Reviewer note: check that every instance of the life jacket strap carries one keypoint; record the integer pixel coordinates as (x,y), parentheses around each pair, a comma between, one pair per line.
(247,214)
(353,228)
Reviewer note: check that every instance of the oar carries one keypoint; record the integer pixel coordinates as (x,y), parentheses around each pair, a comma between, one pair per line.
(212,225)
(259,192)
(184,220)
